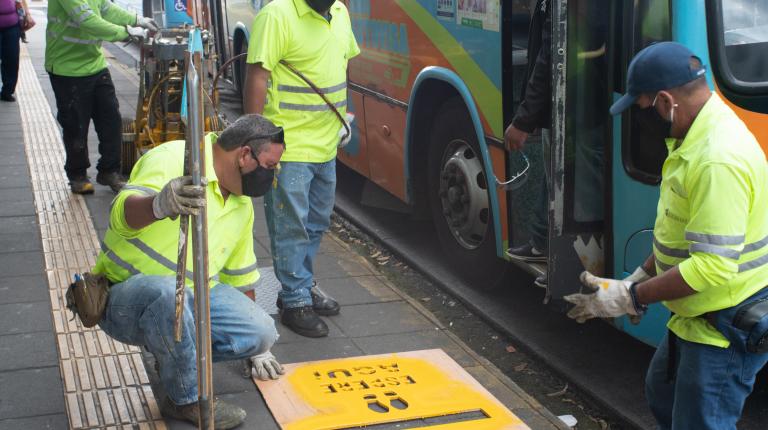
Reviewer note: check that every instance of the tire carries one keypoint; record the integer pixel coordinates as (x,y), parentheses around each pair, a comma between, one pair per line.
(458,197)
(240,71)
(128,152)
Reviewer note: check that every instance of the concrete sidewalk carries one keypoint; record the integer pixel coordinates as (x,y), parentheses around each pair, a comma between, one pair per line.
(376,317)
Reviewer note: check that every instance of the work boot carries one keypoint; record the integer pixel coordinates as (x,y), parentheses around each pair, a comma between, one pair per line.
(225,415)
(322,303)
(113,180)
(528,253)
(304,321)
(81,185)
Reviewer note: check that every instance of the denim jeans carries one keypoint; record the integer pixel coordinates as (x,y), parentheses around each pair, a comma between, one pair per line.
(298,212)
(141,311)
(539,228)
(711,383)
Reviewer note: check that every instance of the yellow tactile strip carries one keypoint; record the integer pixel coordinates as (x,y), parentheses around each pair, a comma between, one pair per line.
(105,383)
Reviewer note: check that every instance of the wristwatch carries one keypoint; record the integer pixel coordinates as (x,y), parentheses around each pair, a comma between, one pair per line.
(639,307)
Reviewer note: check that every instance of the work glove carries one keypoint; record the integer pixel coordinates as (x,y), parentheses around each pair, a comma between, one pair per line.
(265,366)
(611,298)
(344,136)
(136,34)
(639,275)
(148,23)
(179,197)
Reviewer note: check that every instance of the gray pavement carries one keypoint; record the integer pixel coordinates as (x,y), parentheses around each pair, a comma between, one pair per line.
(376,317)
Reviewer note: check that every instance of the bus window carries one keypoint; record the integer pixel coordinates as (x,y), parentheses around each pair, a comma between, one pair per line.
(644,149)
(587,110)
(739,40)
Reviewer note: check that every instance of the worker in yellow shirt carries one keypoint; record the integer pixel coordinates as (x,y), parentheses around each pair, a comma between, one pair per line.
(139,253)
(709,264)
(83,86)
(314,37)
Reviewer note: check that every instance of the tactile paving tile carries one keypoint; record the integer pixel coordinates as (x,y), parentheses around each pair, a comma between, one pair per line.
(266,289)
(105,383)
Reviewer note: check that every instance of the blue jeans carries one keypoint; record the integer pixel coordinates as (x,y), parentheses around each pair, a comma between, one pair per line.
(141,311)
(298,212)
(711,383)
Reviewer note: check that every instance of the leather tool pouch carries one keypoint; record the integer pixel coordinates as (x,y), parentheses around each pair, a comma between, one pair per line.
(87,298)
(753,319)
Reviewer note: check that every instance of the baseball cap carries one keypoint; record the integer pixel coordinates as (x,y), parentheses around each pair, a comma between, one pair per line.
(660,66)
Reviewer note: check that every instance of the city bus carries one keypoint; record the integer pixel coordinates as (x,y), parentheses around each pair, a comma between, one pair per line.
(438,81)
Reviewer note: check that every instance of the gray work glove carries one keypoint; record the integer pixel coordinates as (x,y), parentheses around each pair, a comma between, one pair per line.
(179,197)
(265,366)
(344,136)
(136,34)
(148,23)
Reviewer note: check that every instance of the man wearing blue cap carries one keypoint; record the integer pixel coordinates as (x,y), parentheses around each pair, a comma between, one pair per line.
(709,264)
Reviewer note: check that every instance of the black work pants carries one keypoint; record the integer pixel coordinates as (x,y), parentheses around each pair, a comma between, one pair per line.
(78,100)
(9,58)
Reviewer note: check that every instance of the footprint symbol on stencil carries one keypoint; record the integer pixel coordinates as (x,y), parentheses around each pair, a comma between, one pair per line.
(392,398)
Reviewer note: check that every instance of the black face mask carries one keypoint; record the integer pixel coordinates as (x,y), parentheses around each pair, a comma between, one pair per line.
(653,119)
(320,6)
(257,183)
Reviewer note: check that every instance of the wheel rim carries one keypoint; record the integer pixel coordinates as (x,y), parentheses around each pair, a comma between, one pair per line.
(464,194)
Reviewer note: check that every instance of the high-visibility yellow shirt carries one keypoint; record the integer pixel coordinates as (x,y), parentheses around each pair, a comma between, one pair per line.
(75,31)
(153,249)
(712,219)
(292,31)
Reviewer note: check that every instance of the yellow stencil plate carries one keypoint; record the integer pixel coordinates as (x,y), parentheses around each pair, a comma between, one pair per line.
(422,389)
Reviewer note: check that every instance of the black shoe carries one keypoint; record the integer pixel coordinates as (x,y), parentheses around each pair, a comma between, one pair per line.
(225,415)
(322,303)
(81,185)
(7,97)
(529,253)
(113,180)
(541,281)
(304,321)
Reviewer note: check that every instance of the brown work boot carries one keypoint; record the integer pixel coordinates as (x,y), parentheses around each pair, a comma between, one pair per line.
(226,416)
(81,185)
(113,180)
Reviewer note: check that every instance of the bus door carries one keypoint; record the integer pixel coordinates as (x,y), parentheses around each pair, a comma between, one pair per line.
(638,152)
(577,180)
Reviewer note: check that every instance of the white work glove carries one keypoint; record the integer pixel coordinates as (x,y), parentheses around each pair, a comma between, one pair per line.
(179,197)
(344,138)
(639,275)
(136,34)
(265,366)
(148,23)
(611,298)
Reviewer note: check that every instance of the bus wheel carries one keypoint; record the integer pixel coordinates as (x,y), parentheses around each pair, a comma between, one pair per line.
(240,71)
(458,194)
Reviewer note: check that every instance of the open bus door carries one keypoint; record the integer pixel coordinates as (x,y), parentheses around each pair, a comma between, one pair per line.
(578,179)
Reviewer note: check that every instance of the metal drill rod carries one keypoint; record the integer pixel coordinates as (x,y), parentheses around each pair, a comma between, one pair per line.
(181,255)
(200,245)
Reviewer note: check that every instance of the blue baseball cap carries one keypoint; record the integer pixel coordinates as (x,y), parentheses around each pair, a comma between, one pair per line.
(661,66)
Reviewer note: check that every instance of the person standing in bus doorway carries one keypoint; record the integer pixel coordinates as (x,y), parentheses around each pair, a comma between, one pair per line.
(314,37)
(709,264)
(83,86)
(534,112)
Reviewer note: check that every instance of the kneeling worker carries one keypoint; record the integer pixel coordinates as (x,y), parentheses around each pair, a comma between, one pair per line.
(139,257)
